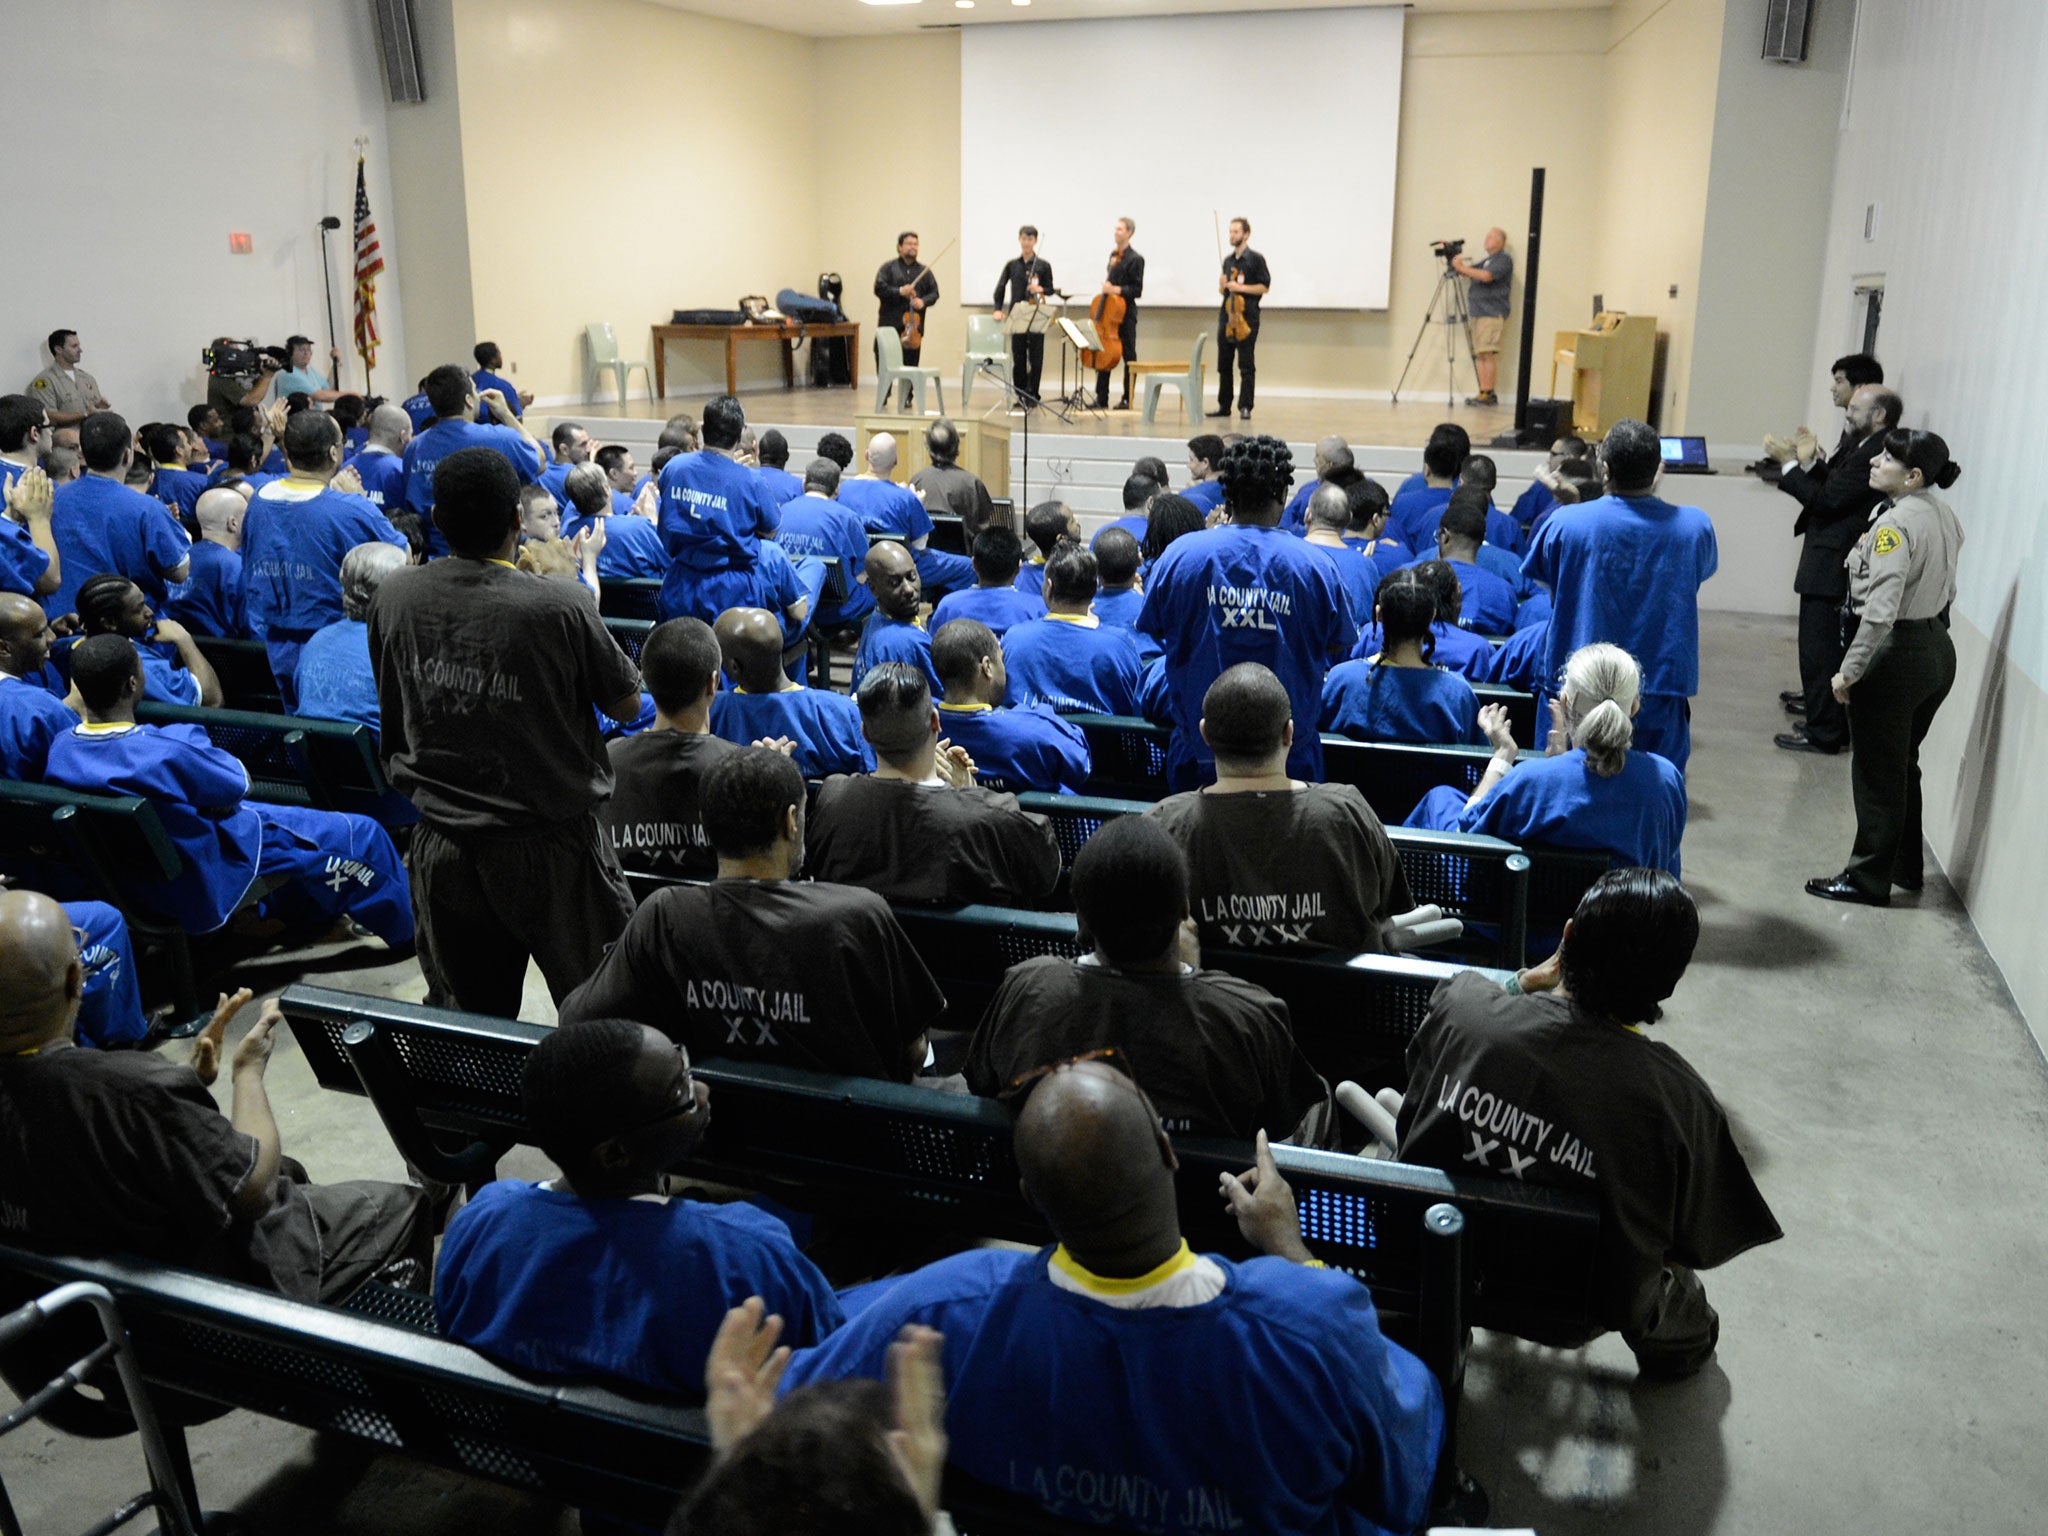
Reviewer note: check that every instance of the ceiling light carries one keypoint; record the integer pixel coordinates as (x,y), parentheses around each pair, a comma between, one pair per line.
(889,2)
(1020,2)
(963,5)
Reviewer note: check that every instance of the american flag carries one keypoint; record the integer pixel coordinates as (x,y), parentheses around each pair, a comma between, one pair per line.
(369,262)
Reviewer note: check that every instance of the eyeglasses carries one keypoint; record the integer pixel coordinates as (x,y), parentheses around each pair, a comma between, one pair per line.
(1020,1087)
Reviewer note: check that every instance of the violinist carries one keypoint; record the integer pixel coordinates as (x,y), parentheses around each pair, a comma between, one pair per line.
(1026,280)
(1244,282)
(1125,280)
(906,290)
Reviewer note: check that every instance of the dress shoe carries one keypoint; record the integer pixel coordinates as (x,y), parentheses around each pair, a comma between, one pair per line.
(1842,888)
(1245,414)
(1124,404)
(1795,707)
(1221,410)
(1792,741)
(1918,882)
(1792,696)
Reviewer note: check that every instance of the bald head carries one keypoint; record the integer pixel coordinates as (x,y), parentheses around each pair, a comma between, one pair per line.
(220,511)
(1329,509)
(892,576)
(881,453)
(41,978)
(1095,1160)
(390,428)
(1327,452)
(750,646)
(19,618)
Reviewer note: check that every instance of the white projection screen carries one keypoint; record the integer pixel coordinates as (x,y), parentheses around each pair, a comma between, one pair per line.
(1289,118)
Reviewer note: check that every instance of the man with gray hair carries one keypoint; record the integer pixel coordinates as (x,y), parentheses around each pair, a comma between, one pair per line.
(1487,300)
(335,680)
(632,548)
(945,486)
(380,463)
(1336,466)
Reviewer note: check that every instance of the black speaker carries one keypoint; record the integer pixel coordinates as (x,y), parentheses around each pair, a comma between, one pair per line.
(1787,27)
(1542,425)
(399,43)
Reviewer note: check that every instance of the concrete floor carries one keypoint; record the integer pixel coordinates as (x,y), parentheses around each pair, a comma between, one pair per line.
(1881,1370)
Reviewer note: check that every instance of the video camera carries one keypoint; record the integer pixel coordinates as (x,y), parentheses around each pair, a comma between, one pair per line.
(227,358)
(1446,249)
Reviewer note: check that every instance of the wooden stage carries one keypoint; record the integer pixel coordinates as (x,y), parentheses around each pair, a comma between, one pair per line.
(1294,418)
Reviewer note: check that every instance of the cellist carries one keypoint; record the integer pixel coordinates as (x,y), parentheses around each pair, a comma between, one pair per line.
(1125,280)
(906,290)
(1244,282)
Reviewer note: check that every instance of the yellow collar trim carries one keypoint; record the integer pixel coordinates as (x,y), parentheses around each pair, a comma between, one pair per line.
(1104,1285)
(494,560)
(965,709)
(1087,620)
(106,728)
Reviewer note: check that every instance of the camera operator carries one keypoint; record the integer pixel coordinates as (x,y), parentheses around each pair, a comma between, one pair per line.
(300,377)
(238,373)
(1487,300)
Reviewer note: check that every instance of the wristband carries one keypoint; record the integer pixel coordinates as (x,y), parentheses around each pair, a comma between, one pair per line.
(1513,985)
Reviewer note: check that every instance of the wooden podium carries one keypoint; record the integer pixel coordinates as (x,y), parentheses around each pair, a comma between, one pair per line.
(984,447)
(1609,367)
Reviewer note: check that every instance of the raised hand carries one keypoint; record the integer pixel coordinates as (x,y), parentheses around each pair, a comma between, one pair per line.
(206,1044)
(917,1381)
(30,497)
(743,1371)
(1493,723)
(1263,1204)
(954,765)
(253,1054)
(347,481)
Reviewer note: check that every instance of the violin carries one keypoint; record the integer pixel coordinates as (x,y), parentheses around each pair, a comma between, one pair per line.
(1107,311)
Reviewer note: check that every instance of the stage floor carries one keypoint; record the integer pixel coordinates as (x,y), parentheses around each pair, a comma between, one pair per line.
(1294,418)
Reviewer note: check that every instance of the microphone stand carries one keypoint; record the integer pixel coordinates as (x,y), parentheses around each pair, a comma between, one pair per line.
(327,272)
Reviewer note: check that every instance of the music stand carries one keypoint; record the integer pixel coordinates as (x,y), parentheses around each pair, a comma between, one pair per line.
(1077,335)
(1031,317)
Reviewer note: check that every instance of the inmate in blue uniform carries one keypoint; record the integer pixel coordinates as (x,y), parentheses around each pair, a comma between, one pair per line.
(419,408)
(632,548)
(1488,606)
(782,486)
(555,481)
(818,528)
(31,717)
(887,639)
(110,1008)
(484,379)
(1293,516)
(209,600)
(1121,608)
(1371,701)
(1019,749)
(714,513)
(1508,567)
(1529,510)
(1518,663)
(1289,1411)
(1000,608)
(433,444)
(1415,511)
(166,682)
(1132,523)
(383,475)
(1234,594)
(1360,576)
(1637,816)
(632,1291)
(292,547)
(21,564)
(1031,580)
(179,489)
(883,506)
(1628,571)
(102,527)
(335,680)
(1207,495)
(336,862)
(825,727)
(1458,649)
(1065,663)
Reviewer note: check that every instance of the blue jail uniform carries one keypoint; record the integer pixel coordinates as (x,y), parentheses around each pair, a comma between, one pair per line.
(110,1009)
(353,442)
(1501,529)
(1414,513)
(1031,579)
(433,444)
(1290,1412)
(1627,570)
(632,548)
(1371,701)
(1637,816)
(824,725)
(337,862)
(209,601)
(1070,665)
(817,527)
(179,489)
(1519,663)
(419,408)
(167,682)
(383,477)
(1498,561)
(555,480)
(1207,495)
(629,1291)
(714,514)
(1530,508)
(22,565)
(1458,649)
(484,379)
(1534,611)
(293,543)
(1026,748)
(334,678)
(1000,608)
(1132,523)
(1122,609)
(883,506)
(102,527)
(1233,594)
(1359,574)
(31,717)
(1488,604)
(1293,516)
(887,639)
(782,486)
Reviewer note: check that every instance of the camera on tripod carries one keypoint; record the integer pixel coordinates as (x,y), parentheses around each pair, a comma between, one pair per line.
(1446,249)
(227,358)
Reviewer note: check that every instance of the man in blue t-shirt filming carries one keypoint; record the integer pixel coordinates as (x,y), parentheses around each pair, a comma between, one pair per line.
(1120,1366)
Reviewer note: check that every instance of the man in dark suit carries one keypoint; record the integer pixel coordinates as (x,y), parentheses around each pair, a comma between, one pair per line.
(1835,503)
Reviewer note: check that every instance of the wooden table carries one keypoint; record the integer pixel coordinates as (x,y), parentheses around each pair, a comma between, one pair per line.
(789,333)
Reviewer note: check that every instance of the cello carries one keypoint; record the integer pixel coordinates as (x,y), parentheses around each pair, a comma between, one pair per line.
(1107,311)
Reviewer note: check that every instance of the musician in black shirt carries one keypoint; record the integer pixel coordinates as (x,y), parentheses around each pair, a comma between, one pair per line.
(1244,273)
(1126,280)
(905,286)
(1027,278)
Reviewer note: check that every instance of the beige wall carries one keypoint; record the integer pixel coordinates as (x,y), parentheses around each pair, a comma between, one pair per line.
(621,159)
(1662,72)
(429,205)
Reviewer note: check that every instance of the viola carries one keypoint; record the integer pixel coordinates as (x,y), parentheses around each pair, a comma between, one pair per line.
(913,319)
(1107,311)
(1235,326)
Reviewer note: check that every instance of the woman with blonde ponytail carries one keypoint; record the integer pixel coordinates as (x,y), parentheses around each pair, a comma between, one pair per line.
(1590,790)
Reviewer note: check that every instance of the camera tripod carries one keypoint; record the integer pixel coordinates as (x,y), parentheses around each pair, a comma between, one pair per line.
(1448,308)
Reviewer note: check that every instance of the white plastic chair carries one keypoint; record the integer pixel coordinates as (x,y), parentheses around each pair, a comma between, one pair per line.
(1188,385)
(988,351)
(604,355)
(890,370)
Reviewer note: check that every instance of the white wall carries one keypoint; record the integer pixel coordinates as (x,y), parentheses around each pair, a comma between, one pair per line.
(147,130)
(1944,130)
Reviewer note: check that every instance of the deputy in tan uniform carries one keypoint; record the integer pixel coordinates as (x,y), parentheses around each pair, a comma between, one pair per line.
(1900,662)
(66,391)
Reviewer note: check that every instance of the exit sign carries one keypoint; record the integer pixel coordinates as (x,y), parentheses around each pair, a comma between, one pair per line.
(239,244)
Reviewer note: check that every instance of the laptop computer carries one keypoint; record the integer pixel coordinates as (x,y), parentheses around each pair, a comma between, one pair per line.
(1684,455)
